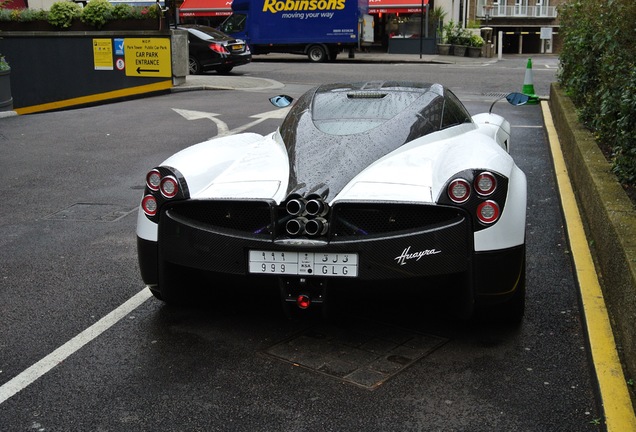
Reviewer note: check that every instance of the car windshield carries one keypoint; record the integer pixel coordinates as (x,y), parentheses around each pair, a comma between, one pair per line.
(234,23)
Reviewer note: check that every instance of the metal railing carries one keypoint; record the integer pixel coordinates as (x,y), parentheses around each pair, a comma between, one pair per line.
(516,11)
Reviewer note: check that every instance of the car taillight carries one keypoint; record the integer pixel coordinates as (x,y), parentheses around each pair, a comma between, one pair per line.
(218,48)
(481,194)
(485,183)
(488,212)
(459,191)
(169,187)
(163,184)
(153,180)
(149,205)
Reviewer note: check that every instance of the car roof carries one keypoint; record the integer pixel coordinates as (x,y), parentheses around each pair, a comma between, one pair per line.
(204,32)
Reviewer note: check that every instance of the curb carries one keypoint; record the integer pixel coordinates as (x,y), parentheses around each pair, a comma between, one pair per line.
(609,220)
(617,405)
(4,114)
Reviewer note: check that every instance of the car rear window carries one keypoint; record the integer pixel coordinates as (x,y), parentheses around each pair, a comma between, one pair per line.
(346,111)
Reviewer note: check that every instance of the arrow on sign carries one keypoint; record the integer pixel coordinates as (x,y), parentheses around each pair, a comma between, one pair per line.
(140,70)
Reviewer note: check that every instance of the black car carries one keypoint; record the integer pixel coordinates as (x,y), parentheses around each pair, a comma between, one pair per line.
(210,49)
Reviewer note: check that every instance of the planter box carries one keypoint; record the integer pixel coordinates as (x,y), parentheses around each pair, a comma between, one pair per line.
(78,25)
(473,52)
(459,50)
(444,49)
(6,101)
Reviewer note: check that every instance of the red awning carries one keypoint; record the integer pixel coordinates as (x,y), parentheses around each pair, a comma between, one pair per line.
(14,4)
(201,8)
(396,6)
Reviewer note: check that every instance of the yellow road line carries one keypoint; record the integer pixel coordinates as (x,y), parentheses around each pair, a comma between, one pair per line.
(619,413)
(99,97)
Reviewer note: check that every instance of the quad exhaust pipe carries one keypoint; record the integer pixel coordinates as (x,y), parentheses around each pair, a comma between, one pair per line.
(308,212)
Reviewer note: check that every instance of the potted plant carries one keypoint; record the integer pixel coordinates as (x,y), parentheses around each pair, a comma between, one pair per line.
(474,45)
(437,16)
(459,38)
(6,101)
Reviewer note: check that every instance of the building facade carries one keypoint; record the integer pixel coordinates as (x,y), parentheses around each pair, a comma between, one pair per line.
(526,26)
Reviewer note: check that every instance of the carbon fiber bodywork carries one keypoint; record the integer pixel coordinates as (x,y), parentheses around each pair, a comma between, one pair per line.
(405,242)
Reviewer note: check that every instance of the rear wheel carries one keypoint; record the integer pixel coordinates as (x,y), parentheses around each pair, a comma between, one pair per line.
(179,285)
(317,54)
(156,293)
(511,311)
(194,66)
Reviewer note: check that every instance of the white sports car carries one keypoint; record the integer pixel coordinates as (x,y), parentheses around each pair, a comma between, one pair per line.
(369,182)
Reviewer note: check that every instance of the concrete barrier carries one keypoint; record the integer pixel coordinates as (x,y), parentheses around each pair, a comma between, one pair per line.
(609,218)
(62,69)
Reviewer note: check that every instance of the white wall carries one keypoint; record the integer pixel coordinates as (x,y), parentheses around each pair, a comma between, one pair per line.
(41,4)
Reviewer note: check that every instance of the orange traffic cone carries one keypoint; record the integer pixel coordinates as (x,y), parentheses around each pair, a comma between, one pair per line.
(528,85)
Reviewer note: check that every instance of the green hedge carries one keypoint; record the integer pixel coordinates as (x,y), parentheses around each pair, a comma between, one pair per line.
(96,13)
(598,71)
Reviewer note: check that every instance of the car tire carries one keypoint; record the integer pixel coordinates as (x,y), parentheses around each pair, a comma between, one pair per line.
(317,54)
(224,69)
(156,294)
(512,311)
(179,286)
(194,66)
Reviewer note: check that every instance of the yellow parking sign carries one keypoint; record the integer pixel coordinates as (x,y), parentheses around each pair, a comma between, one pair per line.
(147,57)
(103,54)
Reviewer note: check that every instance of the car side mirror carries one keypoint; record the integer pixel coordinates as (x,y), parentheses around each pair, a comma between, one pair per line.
(281,101)
(517,99)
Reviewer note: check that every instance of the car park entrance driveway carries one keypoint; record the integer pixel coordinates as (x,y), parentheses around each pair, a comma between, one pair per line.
(71,184)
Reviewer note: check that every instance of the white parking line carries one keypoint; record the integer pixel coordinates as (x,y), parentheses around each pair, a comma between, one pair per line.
(28,376)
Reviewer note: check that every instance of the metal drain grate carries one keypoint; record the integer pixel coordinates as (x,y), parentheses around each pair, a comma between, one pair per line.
(364,353)
(92,212)
(495,94)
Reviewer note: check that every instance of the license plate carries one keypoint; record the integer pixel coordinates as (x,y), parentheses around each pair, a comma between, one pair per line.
(237,47)
(304,263)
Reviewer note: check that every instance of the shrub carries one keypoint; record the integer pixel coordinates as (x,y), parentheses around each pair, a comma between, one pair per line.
(456,35)
(97,13)
(63,13)
(123,11)
(5,14)
(476,41)
(28,15)
(597,72)
(153,11)
(4,66)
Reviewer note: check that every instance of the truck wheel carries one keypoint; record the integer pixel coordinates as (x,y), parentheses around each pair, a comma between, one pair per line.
(317,54)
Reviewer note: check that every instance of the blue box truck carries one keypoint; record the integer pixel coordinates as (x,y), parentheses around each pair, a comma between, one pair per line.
(319,29)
